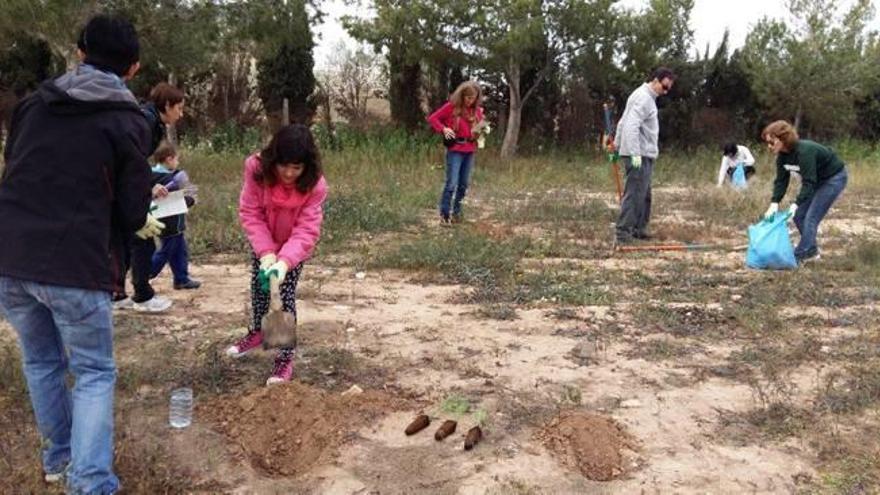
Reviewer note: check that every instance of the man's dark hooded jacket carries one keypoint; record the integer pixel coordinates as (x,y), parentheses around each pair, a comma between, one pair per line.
(76,181)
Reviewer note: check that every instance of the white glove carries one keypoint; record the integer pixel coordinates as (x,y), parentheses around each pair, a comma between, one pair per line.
(636,161)
(774,207)
(278,271)
(267,260)
(151,228)
(792,209)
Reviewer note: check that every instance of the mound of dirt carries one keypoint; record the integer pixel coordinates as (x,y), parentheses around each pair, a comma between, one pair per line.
(593,444)
(287,429)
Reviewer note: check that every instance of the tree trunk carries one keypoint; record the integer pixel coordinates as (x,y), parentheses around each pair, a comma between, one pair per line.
(171,131)
(404,93)
(514,116)
(285,112)
(225,86)
(326,106)
(797,117)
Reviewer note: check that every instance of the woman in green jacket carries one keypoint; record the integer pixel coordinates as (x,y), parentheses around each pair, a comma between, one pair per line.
(823,178)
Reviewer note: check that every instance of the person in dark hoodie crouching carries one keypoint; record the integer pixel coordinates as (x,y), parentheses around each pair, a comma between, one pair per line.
(76,182)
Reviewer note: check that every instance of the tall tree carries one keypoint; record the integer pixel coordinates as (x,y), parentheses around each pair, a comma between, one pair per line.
(812,69)
(56,22)
(509,32)
(284,43)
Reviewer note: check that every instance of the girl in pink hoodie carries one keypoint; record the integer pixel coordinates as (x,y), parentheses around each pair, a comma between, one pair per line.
(280,209)
(459,120)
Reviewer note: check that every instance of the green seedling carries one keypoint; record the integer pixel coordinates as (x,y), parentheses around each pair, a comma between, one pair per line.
(456,404)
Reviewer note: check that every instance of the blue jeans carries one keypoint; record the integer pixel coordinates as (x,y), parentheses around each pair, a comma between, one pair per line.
(458,173)
(809,214)
(61,329)
(175,253)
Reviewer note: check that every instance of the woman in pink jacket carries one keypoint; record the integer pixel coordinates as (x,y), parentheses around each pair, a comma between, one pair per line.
(280,209)
(458,120)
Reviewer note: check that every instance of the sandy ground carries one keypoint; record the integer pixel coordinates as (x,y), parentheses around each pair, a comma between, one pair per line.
(515,370)
(416,347)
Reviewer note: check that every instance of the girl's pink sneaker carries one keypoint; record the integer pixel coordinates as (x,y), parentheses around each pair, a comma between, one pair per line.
(283,370)
(247,343)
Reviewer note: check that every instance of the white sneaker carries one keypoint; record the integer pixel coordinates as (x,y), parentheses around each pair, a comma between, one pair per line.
(157,304)
(54,477)
(123,304)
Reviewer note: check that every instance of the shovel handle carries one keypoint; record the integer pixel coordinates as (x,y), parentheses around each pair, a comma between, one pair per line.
(275,303)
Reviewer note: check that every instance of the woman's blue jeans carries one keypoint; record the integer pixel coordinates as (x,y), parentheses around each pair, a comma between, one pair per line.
(458,173)
(810,214)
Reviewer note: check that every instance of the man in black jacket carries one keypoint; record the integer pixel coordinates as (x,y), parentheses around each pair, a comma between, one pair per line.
(76,183)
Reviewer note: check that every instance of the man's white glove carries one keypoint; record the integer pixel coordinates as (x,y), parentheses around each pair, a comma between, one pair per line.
(267,260)
(792,209)
(774,207)
(151,228)
(636,161)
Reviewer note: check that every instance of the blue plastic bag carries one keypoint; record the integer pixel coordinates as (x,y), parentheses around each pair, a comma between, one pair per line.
(769,245)
(738,179)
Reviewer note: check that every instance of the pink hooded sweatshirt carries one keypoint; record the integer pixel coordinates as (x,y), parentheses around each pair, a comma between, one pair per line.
(279,219)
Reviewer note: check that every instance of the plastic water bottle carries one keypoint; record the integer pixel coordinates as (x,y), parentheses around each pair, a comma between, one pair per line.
(180,408)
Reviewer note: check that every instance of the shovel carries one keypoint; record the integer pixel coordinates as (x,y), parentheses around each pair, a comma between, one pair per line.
(279,327)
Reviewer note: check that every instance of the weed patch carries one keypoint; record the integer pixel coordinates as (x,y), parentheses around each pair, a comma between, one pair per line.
(462,257)
(682,321)
(561,288)
(12,384)
(500,311)
(852,389)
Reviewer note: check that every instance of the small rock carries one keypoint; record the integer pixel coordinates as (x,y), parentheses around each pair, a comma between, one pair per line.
(584,354)
(350,329)
(246,404)
(825,349)
(354,390)
(631,403)
(360,275)
(736,297)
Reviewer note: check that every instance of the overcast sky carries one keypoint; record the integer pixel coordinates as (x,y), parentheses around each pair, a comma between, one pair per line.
(708,20)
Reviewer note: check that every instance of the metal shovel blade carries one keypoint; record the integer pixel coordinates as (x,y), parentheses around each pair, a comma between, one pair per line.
(279,328)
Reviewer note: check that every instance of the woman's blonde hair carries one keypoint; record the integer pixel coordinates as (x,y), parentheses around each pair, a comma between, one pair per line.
(782,131)
(467,88)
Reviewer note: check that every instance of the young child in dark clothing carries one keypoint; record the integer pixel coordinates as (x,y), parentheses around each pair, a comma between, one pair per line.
(173,250)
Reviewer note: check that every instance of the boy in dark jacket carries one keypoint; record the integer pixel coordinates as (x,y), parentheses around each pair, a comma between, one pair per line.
(173,250)
(76,183)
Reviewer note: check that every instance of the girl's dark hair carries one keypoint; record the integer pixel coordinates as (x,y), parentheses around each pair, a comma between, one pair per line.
(291,144)
(729,149)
